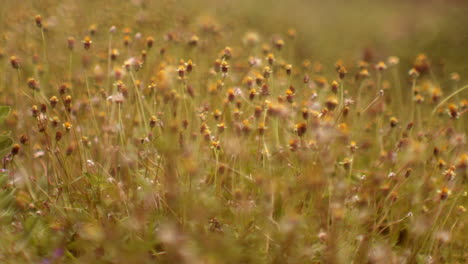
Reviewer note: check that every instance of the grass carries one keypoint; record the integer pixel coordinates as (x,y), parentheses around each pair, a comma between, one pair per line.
(167,133)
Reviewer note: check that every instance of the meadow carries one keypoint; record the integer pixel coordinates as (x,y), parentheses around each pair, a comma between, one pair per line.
(181,131)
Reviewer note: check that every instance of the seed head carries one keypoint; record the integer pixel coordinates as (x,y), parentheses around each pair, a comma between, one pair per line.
(301,129)
(288,69)
(15,62)
(15,149)
(33,84)
(38,19)
(24,139)
(71,43)
(58,136)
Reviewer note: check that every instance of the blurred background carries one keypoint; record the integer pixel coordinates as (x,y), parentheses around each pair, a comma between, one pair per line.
(326,30)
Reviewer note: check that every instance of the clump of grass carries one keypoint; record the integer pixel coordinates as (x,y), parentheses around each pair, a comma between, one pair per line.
(145,145)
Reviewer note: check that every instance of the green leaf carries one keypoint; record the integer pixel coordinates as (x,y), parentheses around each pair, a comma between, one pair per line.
(4,111)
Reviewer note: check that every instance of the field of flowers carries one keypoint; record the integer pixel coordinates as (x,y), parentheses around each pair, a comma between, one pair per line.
(178,131)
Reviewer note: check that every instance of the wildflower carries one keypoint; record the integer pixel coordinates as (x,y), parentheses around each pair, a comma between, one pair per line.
(444,193)
(436,94)
(217,114)
(194,41)
(15,62)
(293,144)
(87,43)
(127,41)
(227,53)
(331,102)
(421,63)
(53,101)
(58,136)
(15,149)
(300,129)
(288,69)
(393,121)
(181,70)
(441,163)
(153,121)
(381,66)
(70,149)
(346,163)
(230,95)
(363,74)
(251,38)
(43,108)
(33,84)
(224,67)
(342,72)
(393,60)
(246,126)
(67,101)
(38,20)
(189,66)
(270,58)
(408,172)
(261,128)
(279,43)
(149,42)
(418,98)
(462,162)
(453,111)
(24,139)
(252,93)
(265,90)
(352,146)
(114,54)
(55,121)
(454,76)
(67,126)
(71,43)
(221,127)
(413,73)
(334,86)
(450,174)
(34,110)
(461,209)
